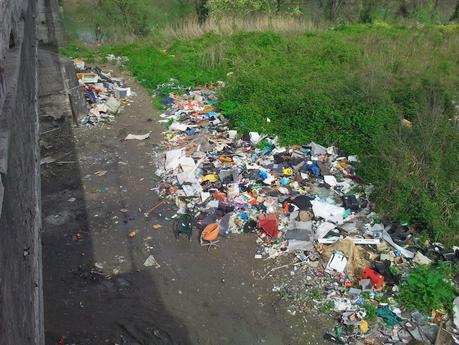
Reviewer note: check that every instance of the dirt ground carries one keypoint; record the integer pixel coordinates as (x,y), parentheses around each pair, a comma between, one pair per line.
(96,289)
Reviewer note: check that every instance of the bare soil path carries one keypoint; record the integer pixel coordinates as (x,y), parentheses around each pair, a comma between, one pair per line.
(97,290)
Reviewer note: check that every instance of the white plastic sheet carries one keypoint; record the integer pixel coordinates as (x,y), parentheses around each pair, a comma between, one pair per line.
(177,126)
(324,228)
(254,138)
(456,312)
(327,211)
(137,136)
(330,180)
(173,159)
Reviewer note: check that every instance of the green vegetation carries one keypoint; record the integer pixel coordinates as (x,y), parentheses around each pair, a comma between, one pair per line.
(350,87)
(329,305)
(315,293)
(113,20)
(428,288)
(370,309)
(365,11)
(125,20)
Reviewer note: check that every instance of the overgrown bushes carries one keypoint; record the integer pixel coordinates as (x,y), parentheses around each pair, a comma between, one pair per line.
(348,87)
(429,288)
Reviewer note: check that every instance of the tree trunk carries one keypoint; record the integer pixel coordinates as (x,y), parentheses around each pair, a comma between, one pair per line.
(455,15)
(202,11)
(434,10)
(403,9)
(334,7)
(386,9)
(366,12)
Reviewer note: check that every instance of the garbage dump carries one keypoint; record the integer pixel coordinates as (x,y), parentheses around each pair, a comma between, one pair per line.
(105,94)
(306,203)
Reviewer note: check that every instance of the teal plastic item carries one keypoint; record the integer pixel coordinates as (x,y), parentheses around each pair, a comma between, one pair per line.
(389,316)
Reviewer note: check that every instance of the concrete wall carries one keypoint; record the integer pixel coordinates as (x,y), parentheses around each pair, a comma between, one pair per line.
(21,307)
(57,76)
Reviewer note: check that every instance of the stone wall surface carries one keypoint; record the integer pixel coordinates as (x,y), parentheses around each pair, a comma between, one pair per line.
(21,307)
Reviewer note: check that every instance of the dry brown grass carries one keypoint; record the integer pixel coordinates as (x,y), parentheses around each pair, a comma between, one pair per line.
(189,28)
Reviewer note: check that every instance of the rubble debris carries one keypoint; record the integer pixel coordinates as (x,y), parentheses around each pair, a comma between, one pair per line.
(104,94)
(421,259)
(402,250)
(47,160)
(304,202)
(59,219)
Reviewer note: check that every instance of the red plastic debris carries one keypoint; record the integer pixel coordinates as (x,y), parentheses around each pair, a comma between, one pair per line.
(377,280)
(269,224)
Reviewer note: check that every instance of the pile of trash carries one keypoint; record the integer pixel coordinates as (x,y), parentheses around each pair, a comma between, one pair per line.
(304,202)
(293,196)
(104,94)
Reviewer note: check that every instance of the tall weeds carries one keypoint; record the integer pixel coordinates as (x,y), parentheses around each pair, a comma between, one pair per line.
(190,28)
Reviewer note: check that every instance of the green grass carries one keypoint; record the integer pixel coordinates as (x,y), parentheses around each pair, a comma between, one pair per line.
(370,309)
(348,87)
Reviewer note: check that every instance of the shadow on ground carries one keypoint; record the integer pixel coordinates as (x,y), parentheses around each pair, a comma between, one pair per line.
(84,304)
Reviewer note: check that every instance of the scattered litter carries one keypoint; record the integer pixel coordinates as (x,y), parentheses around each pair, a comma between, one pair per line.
(406,123)
(363,326)
(402,250)
(304,202)
(151,262)
(88,78)
(389,316)
(122,92)
(104,94)
(100,172)
(328,211)
(421,259)
(456,312)
(112,105)
(58,219)
(337,262)
(137,136)
(377,280)
(47,160)
(79,64)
